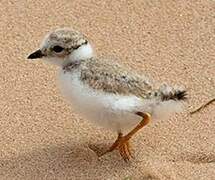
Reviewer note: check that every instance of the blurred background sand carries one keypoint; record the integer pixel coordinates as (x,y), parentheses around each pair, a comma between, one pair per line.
(170,41)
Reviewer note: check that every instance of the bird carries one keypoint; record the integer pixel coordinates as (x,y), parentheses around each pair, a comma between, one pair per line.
(104,91)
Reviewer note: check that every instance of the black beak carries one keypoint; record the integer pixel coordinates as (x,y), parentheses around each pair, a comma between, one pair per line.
(36,54)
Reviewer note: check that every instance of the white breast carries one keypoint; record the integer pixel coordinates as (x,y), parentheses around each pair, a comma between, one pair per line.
(115,112)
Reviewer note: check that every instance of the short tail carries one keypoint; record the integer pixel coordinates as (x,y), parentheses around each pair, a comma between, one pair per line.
(174,94)
(167,100)
(166,93)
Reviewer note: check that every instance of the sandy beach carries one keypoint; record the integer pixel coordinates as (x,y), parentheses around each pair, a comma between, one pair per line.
(169,41)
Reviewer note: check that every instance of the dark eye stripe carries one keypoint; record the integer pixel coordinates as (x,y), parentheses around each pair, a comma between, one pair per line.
(76,47)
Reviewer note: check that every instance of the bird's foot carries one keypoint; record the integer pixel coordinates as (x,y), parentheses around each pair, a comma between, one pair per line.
(123,146)
(122,142)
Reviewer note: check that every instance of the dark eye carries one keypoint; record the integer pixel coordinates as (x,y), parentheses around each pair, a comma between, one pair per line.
(57,49)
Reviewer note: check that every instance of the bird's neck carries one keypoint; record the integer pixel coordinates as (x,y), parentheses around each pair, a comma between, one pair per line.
(82,53)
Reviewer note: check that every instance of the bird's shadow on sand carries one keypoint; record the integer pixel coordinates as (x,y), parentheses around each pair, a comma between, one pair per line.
(56,161)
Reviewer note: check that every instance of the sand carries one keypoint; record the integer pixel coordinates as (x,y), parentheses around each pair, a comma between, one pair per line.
(170,41)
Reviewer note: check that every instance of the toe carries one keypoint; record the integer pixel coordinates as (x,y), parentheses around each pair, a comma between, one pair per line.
(128,149)
(124,152)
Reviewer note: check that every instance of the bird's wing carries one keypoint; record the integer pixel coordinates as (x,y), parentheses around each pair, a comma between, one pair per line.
(111,77)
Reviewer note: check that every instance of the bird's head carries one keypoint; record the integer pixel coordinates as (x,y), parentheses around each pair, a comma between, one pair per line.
(62,46)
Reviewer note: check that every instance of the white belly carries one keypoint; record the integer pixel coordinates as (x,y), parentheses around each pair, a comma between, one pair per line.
(114,112)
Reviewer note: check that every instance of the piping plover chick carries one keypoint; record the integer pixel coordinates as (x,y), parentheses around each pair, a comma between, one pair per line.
(104,91)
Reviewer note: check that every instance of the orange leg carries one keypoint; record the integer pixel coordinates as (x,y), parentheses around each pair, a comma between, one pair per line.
(122,142)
